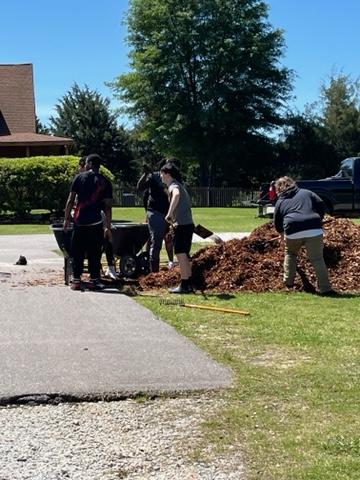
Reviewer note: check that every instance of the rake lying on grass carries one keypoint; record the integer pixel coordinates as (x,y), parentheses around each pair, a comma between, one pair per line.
(181,303)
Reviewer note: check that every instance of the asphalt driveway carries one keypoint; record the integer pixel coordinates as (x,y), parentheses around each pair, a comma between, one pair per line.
(55,342)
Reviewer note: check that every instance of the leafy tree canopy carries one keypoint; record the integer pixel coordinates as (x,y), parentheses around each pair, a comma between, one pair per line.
(340,114)
(304,151)
(205,79)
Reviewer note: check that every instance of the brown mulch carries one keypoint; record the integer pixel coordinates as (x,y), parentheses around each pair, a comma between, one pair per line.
(255,263)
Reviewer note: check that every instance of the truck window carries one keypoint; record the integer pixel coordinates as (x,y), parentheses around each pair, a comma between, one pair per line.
(346,168)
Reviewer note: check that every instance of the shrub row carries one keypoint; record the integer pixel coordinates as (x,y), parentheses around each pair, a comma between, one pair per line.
(37,183)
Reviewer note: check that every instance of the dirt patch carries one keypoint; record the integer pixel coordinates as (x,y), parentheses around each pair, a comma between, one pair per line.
(278,359)
(255,263)
(34,276)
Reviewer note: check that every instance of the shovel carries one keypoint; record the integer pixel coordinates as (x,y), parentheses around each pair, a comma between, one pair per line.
(260,245)
(205,233)
(307,285)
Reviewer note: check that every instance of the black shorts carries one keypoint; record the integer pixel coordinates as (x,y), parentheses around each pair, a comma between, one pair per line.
(182,238)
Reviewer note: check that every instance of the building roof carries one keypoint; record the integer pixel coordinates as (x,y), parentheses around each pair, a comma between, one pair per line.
(33,139)
(17,102)
(17,109)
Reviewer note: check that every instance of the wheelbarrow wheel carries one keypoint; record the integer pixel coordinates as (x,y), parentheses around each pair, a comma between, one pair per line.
(128,266)
(143,260)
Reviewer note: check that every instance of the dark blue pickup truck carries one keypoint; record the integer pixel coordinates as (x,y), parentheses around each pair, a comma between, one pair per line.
(340,193)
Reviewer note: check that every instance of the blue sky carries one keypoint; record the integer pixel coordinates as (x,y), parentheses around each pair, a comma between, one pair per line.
(80,41)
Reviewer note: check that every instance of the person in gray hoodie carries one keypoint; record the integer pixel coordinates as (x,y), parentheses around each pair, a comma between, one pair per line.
(298,216)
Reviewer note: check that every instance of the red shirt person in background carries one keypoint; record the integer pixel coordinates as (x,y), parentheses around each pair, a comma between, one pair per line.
(272,193)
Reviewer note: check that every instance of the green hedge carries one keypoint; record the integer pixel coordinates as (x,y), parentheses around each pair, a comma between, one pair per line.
(37,183)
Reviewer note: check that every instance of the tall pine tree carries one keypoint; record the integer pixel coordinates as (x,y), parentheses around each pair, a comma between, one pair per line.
(85,116)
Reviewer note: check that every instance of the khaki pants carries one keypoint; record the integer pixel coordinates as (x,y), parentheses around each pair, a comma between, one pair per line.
(314,248)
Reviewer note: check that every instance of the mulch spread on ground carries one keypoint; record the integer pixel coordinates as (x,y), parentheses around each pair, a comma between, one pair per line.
(255,263)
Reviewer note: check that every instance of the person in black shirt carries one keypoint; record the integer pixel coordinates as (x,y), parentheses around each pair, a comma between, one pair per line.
(157,205)
(298,216)
(94,195)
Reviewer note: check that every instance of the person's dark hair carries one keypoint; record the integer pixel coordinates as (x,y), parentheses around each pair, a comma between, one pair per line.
(146,168)
(95,160)
(159,164)
(82,161)
(171,169)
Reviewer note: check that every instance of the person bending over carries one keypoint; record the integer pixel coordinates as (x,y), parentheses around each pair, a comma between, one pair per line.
(298,215)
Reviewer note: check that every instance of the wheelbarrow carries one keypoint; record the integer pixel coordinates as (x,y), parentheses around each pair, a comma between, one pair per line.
(128,240)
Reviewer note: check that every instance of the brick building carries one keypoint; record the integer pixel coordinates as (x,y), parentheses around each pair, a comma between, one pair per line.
(18,137)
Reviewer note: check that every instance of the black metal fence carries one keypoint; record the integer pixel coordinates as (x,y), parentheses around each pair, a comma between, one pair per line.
(200,197)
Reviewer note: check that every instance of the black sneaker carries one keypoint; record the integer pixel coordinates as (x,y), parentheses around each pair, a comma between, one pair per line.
(179,289)
(95,285)
(330,293)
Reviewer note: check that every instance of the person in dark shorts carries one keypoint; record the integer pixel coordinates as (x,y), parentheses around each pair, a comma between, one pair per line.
(179,215)
(94,195)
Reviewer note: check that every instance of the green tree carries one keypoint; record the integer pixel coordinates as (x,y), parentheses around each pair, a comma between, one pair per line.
(205,80)
(145,153)
(85,116)
(340,114)
(40,127)
(304,150)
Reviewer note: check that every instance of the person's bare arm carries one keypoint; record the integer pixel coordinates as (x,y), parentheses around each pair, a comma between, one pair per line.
(175,197)
(141,185)
(68,207)
(108,202)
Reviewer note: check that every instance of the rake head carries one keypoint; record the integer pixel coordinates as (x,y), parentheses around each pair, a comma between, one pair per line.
(170,301)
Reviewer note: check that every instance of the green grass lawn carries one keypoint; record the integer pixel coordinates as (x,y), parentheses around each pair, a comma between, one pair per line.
(215,219)
(22,229)
(294,408)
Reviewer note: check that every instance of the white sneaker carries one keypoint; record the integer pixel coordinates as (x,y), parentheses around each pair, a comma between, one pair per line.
(171,265)
(111,273)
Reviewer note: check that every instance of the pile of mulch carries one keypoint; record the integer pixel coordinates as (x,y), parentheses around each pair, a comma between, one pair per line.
(255,263)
